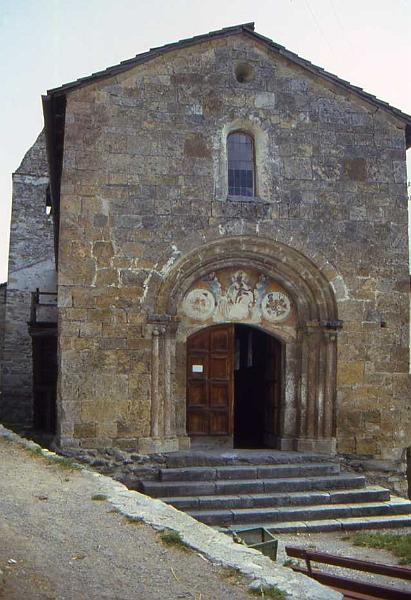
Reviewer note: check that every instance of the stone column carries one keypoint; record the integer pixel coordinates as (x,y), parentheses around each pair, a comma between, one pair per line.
(155,396)
(314,341)
(302,396)
(163,437)
(322,374)
(330,339)
(168,401)
(316,370)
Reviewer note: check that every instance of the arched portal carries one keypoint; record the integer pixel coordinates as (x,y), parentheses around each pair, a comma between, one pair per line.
(234,387)
(254,282)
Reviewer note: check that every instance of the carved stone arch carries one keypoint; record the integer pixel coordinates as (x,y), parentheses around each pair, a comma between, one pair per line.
(308,412)
(307,284)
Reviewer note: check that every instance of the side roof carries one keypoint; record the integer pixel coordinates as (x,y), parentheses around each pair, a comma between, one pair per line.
(54,101)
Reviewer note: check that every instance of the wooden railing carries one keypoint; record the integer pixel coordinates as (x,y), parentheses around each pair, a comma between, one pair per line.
(351,588)
(43,307)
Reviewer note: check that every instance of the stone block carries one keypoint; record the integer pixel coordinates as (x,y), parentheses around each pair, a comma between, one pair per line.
(265,100)
(85,430)
(195,146)
(350,373)
(103,251)
(112,343)
(65,299)
(298,169)
(107,277)
(83,297)
(355,169)
(367,446)
(92,330)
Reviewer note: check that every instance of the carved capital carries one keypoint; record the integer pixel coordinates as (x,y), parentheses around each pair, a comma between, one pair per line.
(335,325)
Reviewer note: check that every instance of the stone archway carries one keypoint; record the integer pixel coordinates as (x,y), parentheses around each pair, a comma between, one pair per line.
(308,406)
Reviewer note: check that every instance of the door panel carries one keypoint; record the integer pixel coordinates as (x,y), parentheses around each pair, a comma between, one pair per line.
(210,386)
(219,424)
(220,366)
(272,387)
(219,394)
(197,423)
(220,339)
(197,393)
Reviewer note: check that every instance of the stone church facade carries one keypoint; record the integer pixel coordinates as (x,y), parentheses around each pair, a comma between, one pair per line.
(247,294)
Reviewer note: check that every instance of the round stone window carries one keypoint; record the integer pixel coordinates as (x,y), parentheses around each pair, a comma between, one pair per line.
(244,72)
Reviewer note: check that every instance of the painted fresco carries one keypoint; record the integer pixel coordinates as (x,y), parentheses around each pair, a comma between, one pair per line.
(242,295)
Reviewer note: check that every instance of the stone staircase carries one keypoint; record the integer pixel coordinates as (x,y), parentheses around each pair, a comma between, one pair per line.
(283,491)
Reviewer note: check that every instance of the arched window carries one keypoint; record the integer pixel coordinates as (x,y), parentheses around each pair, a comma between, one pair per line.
(241,168)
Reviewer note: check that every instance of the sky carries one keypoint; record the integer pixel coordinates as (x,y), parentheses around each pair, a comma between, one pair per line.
(45,43)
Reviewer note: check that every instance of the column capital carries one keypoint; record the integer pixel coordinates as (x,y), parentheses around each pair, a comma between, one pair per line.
(310,327)
(163,324)
(335,325)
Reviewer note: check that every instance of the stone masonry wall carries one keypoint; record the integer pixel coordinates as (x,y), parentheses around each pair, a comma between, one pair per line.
(3,290)
(31,266)
(144,183)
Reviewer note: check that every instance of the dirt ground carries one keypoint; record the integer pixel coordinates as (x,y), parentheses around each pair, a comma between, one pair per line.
(56,543)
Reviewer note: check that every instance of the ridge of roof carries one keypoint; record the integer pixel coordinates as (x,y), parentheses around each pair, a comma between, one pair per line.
(126,64)
(249,30)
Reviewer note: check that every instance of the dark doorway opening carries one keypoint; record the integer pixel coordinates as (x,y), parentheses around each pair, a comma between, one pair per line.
(234,386)
(43,331)
(44,382)
(257,388)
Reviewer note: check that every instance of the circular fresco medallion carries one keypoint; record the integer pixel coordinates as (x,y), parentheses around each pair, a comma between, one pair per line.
(199,304)
(275,307)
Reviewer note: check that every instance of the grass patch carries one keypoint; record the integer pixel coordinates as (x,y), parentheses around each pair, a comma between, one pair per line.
(172,538)
(397,543)
(230,574)
(35,451)
(38,452)
(268,591)
(99,497)
(291,562)
(63,462)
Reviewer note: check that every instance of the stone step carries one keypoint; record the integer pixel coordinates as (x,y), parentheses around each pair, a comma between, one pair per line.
(249,472)
(368,494)
(232,457)
(347,524)
(167,489)
(267,517)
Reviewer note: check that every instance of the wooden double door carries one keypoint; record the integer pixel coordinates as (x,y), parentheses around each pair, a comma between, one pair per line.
(234,385)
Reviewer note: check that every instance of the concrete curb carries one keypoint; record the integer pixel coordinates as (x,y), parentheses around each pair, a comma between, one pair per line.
(215,546)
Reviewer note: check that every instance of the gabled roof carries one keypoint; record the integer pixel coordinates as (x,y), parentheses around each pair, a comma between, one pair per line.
(248,30)
(54,101)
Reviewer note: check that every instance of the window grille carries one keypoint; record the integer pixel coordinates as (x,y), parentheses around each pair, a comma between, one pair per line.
(241,175)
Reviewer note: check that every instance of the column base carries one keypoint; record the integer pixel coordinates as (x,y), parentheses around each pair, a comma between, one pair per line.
(285,444)
(320,445)
(151,445)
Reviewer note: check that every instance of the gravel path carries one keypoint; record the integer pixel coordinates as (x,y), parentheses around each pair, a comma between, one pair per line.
(56,543)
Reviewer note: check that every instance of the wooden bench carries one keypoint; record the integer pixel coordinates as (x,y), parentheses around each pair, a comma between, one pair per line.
(351,589)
